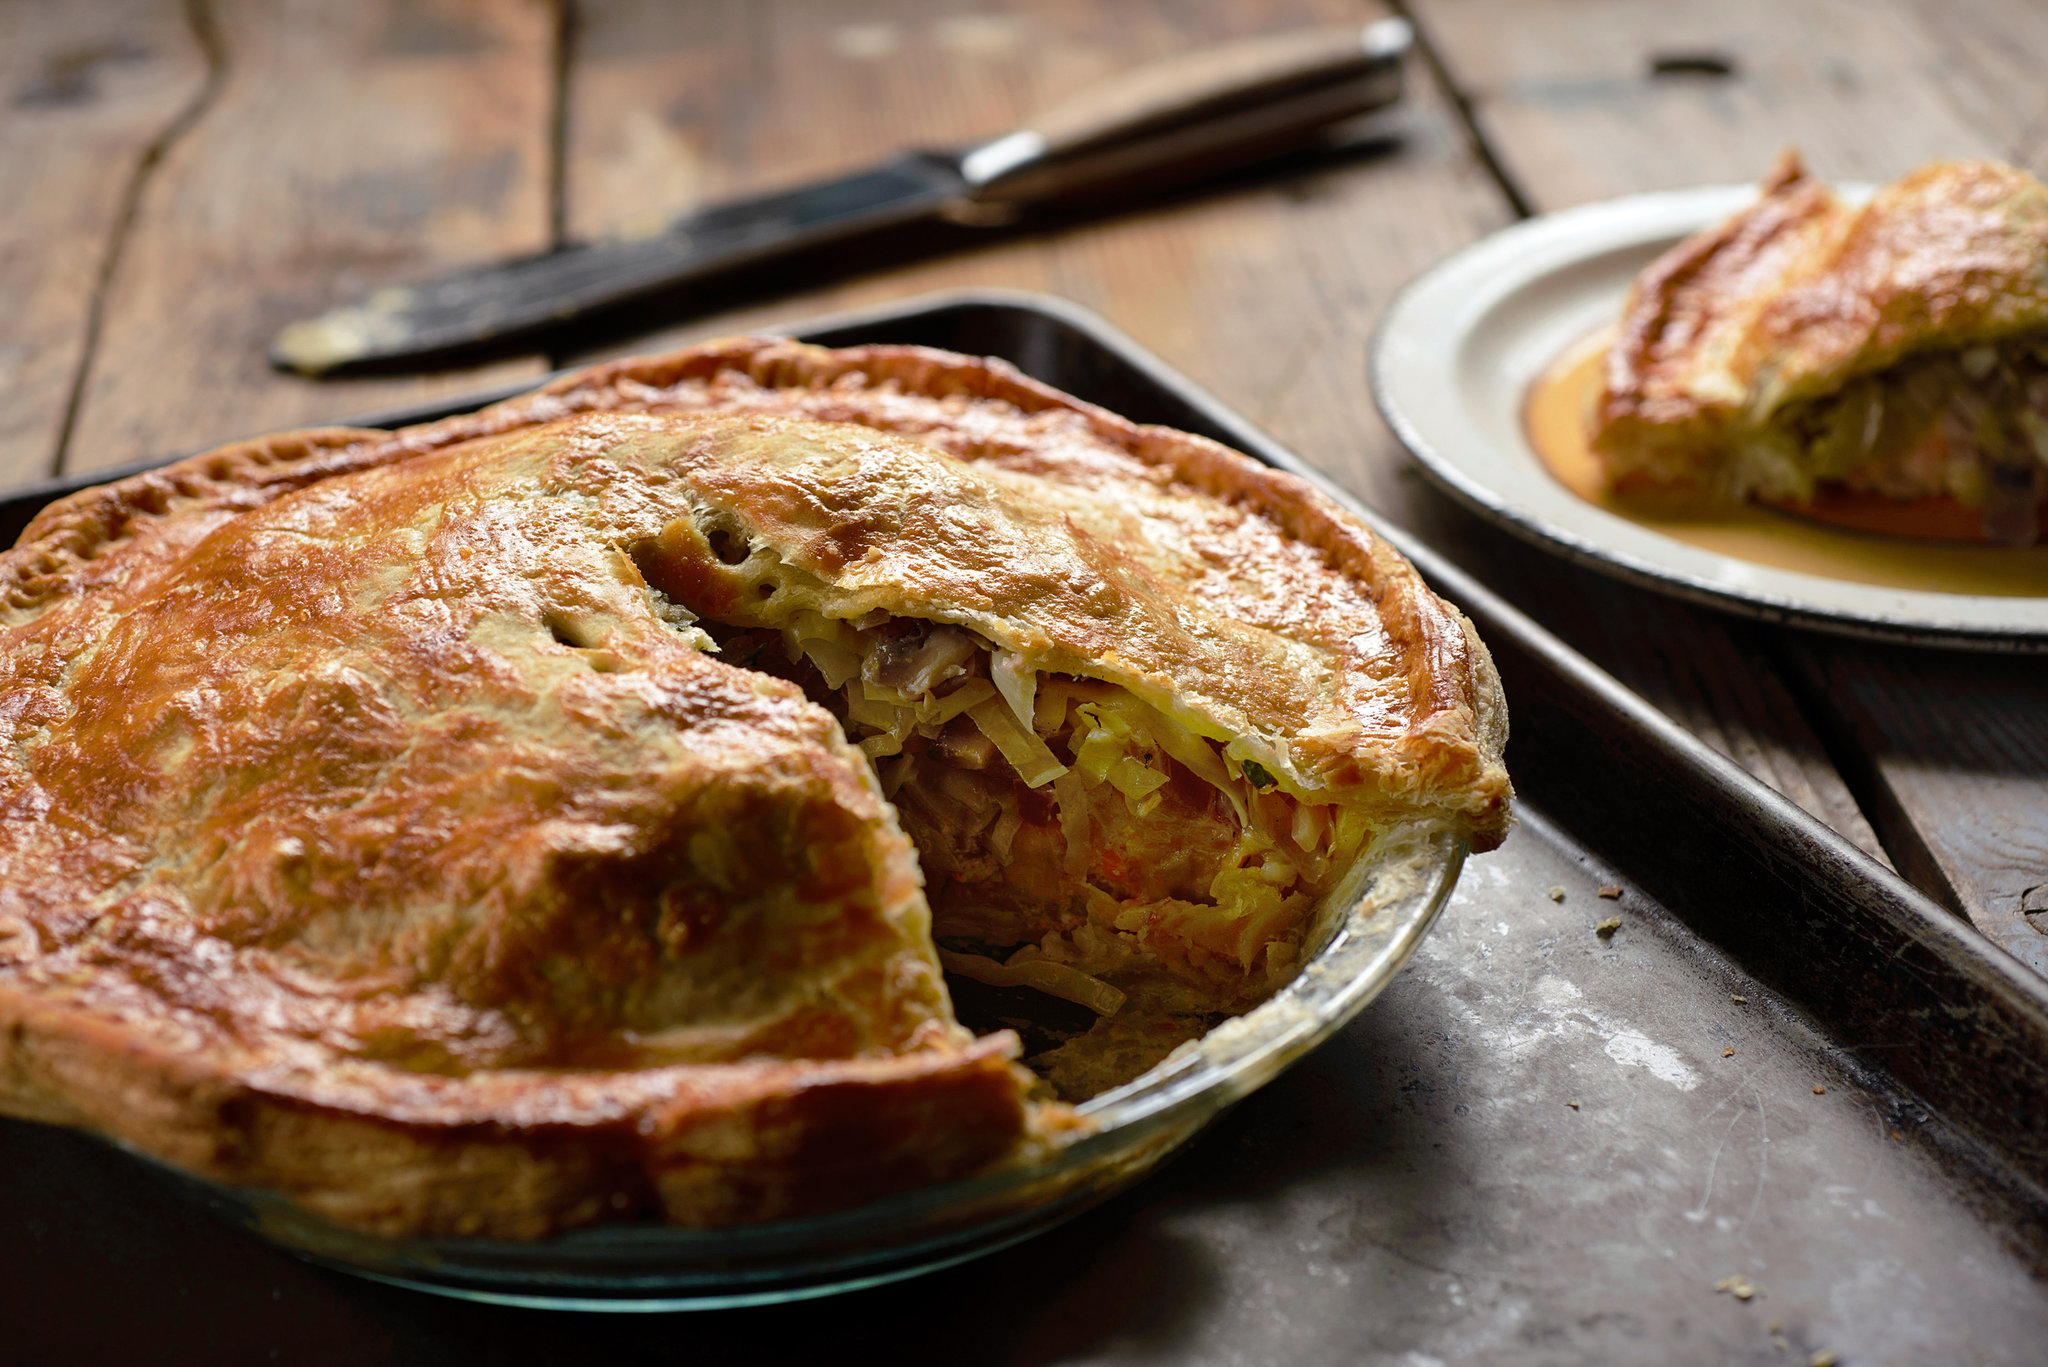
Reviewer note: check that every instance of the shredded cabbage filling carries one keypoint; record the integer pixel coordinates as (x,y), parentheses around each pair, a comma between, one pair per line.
(1971,425)
(1074,839)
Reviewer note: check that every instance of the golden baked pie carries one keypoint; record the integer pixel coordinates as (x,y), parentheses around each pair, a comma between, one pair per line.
(1808,349)
(563,812)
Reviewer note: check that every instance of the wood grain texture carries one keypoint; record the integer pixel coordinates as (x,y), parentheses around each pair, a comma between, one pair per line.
(1564,91)
(349,146)
(1949,756)
(87,93)
(1985,57)
(1959,746)
(671,109)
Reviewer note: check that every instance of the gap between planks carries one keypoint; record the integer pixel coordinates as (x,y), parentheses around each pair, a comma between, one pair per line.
(562,57)
(205,32)
(1904,843)
(1476,141)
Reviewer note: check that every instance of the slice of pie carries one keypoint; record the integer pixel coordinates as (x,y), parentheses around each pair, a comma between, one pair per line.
(1816,354)
(564,812)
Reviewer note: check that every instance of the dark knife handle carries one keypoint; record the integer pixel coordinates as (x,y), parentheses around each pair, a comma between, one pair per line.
(1194,112)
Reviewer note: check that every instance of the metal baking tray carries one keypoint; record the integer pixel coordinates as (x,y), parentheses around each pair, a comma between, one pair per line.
(1788,1107)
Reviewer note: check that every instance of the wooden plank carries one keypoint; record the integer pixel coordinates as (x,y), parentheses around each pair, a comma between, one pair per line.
(1952,764)
(1267,293)
(1564,91)
(1985,55)
(1958,753)
(349,146)
(670,110)
(89,91)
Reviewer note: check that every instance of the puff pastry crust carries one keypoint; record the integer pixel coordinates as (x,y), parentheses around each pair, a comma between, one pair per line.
(389,820)
(1887,347)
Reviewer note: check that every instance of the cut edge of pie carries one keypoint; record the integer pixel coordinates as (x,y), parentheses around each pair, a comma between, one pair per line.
(1824,356)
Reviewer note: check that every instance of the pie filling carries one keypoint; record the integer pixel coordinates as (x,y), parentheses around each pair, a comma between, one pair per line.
(1076,841)
(1971,425)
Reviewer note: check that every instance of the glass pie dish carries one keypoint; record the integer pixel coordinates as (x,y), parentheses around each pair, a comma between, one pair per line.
(1364,934)
(1365,925)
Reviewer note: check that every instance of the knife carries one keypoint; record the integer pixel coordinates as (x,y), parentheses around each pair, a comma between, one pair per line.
(1212,110)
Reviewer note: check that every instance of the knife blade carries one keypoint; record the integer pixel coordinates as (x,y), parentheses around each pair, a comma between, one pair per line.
(1201,113)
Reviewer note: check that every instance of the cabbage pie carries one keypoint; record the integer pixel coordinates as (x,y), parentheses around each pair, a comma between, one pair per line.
(570,811)
(1896,350)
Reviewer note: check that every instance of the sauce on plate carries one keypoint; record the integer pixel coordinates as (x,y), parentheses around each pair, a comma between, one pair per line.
(1871,540)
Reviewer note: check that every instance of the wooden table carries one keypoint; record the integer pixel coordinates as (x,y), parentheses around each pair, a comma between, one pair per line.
(183,179)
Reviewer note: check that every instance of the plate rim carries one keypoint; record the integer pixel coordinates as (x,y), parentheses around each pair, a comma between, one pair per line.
(1412,364)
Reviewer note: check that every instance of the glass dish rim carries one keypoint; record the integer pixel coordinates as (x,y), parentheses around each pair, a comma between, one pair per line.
(1401,884)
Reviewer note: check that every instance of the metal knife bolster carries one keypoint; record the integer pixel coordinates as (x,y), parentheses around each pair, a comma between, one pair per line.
(1201,112)
(1204,112)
